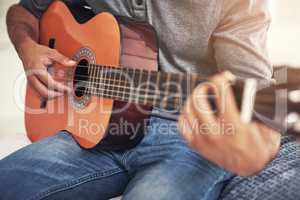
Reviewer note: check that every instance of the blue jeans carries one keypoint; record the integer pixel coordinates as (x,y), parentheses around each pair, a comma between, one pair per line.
(162,166)
(279,180)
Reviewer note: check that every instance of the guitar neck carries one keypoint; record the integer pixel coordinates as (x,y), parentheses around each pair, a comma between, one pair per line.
(162,90)
(158,89)
(169,91)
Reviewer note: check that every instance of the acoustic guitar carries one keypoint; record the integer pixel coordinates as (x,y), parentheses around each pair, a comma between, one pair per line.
(116,81)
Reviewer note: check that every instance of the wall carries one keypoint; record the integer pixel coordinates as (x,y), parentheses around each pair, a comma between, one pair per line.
(284,40)
(10,115)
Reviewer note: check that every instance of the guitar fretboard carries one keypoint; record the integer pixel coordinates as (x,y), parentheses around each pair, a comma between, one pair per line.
(163,90)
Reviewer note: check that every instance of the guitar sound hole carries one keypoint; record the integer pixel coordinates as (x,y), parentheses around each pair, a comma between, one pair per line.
(81,78)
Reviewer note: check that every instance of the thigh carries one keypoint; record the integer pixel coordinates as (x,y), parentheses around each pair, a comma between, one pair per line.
(162,166)
(57,168)
(186,176)
(166,168)
(280,180)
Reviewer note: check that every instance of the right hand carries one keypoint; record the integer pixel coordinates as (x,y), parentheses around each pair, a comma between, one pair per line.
(221,136)
(36,58)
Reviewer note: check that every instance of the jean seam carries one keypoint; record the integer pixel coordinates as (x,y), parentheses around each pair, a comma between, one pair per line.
(224,174)
(124,159)
(75,183)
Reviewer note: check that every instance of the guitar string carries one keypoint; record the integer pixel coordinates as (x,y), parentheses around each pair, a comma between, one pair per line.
(95,78)
(105,69)
(125,69)
(108,82)
(116,68)
(175,103)
(108,70)
(136,97)
(134,92)
(98,78)
(170,102)
(153,95)
(131,92)
(139,97)
(101,80)
(130,98)
(109,85)
(148,92)
(145,72)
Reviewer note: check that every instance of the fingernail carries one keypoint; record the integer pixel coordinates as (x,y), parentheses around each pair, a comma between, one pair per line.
(70,62)
(230,76)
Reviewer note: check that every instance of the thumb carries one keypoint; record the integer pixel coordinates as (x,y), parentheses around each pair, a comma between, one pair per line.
(61,59)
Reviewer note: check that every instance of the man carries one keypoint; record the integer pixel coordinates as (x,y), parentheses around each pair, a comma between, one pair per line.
(204,36)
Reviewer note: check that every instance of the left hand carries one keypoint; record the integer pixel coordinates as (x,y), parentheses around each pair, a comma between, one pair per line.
(221,137)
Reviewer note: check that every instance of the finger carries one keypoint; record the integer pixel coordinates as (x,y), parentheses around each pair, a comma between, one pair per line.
(61,59)
(197,133)
(47,61)
(47,80)
(211,126)
(185,128)
(201,123)
(42,89)
(225,101)
(199,104)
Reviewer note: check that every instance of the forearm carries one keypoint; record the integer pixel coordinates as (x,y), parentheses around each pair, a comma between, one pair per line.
(22,26)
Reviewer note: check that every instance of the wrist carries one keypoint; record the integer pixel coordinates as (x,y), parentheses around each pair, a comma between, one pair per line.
(24,46)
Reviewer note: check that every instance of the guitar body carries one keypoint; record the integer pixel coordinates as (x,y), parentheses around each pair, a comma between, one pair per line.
(105,40)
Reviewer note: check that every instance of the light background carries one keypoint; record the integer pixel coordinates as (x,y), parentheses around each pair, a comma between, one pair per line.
(284,45)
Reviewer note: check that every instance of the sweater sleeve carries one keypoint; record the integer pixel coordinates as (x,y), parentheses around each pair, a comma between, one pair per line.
(240,39)
(36,7)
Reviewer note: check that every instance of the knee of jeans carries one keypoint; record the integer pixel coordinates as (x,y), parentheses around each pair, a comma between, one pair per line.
(161,182)
(153,190)
(59,144)
(21,170)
